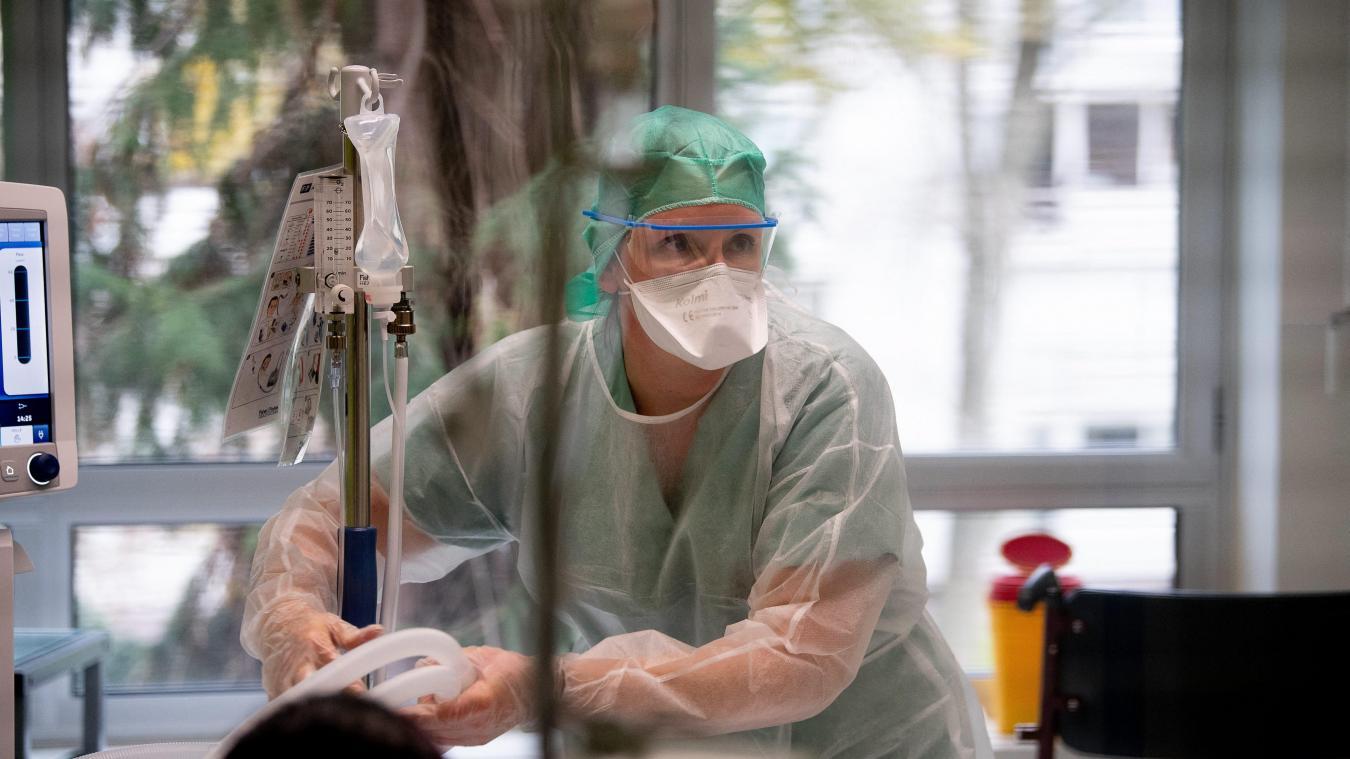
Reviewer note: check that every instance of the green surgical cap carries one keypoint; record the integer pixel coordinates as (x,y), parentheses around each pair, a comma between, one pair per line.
(673,158)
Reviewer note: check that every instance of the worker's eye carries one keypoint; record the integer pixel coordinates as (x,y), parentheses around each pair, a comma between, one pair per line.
(741,249)
(676,244)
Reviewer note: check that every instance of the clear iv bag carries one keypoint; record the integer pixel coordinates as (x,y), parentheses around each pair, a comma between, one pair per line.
(382,250)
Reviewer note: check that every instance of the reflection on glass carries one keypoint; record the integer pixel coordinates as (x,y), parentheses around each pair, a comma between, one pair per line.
(172,598)
(189,120)
(1131,549)
(985,197)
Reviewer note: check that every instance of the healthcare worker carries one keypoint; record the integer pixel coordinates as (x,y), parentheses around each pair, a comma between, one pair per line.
(739,551)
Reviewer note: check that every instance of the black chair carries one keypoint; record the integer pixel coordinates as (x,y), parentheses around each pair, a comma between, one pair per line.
(1187,674)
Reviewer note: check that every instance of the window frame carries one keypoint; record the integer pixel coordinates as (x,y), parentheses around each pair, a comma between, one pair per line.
(1185,478)
(151,494)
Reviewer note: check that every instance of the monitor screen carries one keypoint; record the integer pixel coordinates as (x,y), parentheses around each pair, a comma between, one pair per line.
(25,379)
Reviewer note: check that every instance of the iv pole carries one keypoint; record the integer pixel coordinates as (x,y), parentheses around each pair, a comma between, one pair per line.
(349,333)
(358,539)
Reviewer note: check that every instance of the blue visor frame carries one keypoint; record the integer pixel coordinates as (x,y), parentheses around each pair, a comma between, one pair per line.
(769,222)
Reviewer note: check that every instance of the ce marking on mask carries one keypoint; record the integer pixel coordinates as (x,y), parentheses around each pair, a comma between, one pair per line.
(711,312)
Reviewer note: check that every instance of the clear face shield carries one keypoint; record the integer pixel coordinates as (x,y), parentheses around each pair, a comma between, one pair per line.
(686,240)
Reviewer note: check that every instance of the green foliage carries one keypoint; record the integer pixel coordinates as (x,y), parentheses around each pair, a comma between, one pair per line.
(183,38)
(217,68)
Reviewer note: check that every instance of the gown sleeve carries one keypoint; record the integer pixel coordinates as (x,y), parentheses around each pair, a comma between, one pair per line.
(457,486)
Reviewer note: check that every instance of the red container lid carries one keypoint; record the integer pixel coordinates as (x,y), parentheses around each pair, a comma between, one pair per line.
(1027,552)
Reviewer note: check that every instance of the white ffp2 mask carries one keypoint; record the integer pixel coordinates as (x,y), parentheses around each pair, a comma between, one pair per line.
(710,317)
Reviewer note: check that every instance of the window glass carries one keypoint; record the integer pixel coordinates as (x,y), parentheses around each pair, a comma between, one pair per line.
(190,119)
(1131,549)
(985,198)
(171,598)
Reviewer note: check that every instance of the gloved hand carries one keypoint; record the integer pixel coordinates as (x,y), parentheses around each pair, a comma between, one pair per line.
(297,640)
(501,698)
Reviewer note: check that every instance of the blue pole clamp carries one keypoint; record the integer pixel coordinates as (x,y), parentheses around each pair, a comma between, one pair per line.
(360,583)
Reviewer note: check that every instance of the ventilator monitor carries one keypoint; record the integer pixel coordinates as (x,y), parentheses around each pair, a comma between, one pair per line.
(37,373)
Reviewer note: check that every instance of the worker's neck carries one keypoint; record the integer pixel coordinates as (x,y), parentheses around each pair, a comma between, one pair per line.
(660,382)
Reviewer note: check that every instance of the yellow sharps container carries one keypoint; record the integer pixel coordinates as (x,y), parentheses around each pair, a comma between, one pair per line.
(1020,635)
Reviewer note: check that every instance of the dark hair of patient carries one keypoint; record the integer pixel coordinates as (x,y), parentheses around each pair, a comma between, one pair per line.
(339,725)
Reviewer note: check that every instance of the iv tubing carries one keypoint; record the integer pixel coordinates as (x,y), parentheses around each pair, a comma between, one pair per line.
(448,679)
(335,380)
(384,360)
(393,563)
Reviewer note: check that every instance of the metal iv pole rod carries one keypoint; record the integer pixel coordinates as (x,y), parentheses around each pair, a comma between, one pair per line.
(359,577)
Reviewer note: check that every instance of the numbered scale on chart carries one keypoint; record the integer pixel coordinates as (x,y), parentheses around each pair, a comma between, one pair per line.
(336,235)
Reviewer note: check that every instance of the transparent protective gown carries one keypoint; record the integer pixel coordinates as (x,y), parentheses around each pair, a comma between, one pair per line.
(771,586)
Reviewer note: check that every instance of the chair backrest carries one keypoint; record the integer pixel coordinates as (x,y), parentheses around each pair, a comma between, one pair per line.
(1197,675)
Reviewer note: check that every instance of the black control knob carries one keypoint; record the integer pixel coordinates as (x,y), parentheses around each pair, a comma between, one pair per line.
(43,468)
